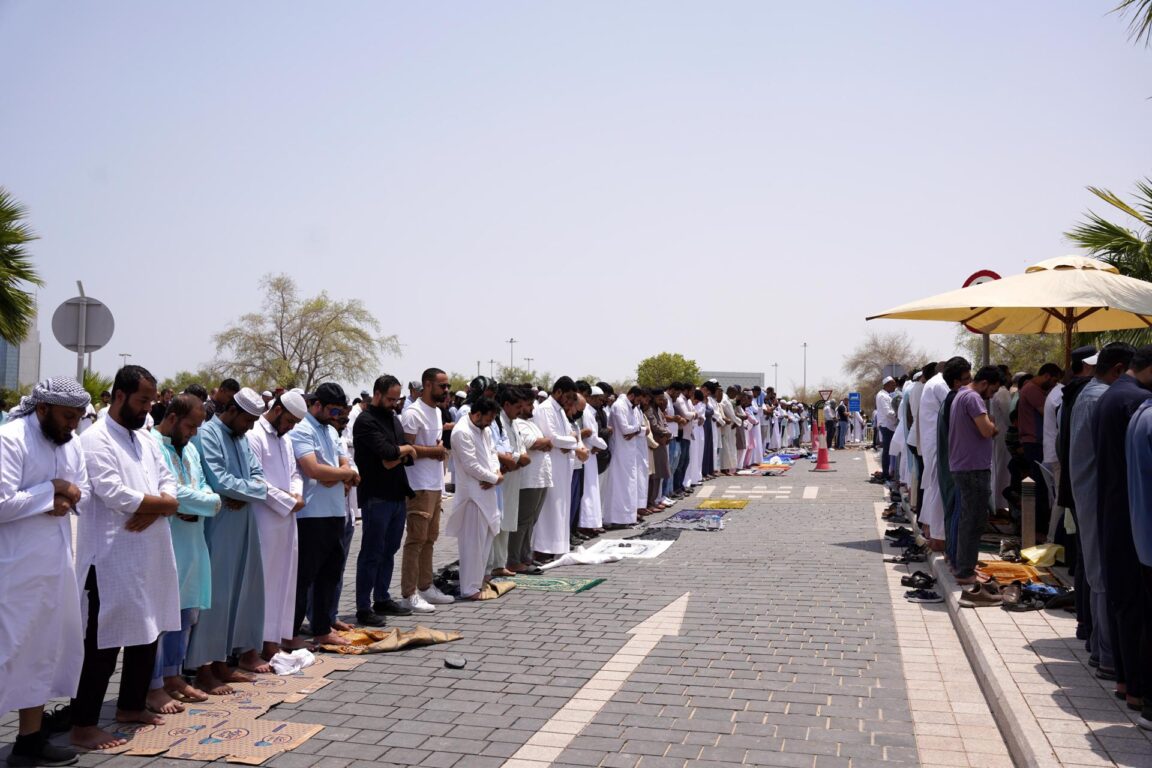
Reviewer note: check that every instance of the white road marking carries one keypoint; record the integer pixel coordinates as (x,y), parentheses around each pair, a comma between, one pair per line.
(810,491)
(705,492)
(554,736)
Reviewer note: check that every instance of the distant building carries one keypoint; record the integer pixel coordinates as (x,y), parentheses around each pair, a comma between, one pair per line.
(742,379)
(20,363)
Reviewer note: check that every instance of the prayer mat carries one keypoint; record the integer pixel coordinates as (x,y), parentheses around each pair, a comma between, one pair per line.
(209,734)
(694,515)
(386,641)
(1006,573)
(630,548)
(550,583)
(723,504)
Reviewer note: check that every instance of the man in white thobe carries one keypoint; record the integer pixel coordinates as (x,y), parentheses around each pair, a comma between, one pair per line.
(591,513)
(475,520)
(552,534)
(42,475)
(510,447)
(928,415)
(622,477)
(275,516)
(124,560)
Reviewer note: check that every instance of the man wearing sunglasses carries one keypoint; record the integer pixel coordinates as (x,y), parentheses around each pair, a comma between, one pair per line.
(320,524)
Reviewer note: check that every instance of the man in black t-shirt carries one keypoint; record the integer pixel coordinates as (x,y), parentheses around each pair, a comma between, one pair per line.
(381,453)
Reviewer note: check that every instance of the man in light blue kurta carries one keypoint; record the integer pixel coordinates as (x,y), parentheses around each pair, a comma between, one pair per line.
(184,416)
(235,622)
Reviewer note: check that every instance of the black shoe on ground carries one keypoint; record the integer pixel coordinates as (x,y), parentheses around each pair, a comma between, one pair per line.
(369,619)
(57,720)
(34,749)
(390,608)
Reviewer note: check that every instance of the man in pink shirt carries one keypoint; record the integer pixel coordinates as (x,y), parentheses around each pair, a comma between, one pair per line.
(1030,423)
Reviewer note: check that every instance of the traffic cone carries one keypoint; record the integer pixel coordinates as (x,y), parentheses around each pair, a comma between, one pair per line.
(822,463)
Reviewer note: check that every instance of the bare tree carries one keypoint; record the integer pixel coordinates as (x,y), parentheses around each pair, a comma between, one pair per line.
(865,364)
(301,342)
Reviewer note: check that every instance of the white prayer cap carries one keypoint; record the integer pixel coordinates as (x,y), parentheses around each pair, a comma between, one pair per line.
(293,402)
(596,391)
(266,393)
(541,395)
(886,380)
(462,394)
(918,375)
(250,401)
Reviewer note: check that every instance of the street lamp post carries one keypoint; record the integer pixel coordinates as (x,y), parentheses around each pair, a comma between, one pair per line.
(511,352)
(492,369)
(805,345)
(124,358)
(775,376)
(529,361)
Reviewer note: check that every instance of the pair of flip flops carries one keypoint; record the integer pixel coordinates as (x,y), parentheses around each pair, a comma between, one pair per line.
(918,580)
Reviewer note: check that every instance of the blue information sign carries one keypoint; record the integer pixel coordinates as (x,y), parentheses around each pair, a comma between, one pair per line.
(854,402)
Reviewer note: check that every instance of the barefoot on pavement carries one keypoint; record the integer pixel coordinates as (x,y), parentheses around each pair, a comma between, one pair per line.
(91,737)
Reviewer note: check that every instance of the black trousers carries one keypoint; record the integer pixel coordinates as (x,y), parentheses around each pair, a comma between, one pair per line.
(320,567)
(100,663)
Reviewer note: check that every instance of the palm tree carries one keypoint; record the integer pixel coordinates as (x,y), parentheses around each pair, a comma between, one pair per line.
(1141,24)
(17,305)
(1129,250)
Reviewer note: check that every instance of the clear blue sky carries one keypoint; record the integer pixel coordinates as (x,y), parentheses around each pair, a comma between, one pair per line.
(601,180)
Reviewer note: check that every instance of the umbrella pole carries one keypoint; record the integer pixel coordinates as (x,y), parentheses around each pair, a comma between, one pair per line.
(1068,341)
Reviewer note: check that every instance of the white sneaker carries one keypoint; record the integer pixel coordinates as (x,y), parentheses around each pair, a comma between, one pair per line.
(435,596)
(668,501)
(418,604)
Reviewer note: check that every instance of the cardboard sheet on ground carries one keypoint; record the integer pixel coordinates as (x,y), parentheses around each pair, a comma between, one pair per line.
(552,583)
(630,548)
(723,504)
(385,641)
(209,733)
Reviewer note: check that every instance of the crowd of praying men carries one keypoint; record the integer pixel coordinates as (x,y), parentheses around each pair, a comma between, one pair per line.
(963,443)
(201,532)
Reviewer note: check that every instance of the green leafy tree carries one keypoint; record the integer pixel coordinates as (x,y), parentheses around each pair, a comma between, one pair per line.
(1020,352)
(666,367)
(510,374)
(458,382)
(17,304)
(95,383)
(301,342)
(208,376)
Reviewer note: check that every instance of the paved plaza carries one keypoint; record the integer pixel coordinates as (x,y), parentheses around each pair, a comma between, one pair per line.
(775,643)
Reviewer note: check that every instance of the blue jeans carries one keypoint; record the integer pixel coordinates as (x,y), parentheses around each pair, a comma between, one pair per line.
(682,465)
(173,648)
(841,434)
(673,463)
(382,529)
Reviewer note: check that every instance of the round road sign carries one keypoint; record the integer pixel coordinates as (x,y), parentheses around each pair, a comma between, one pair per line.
(98,324)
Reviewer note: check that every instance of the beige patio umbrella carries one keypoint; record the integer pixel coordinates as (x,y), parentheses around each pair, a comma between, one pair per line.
(1061,295)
